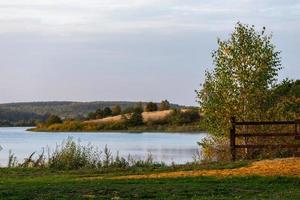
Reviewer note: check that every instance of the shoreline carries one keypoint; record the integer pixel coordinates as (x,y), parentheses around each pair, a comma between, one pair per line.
(117,131)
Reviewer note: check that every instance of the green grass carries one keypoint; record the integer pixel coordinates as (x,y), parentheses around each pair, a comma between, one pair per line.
(19,183)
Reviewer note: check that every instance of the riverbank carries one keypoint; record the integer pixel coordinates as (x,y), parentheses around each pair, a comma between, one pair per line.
(83,127)
(157,121)
(106,184)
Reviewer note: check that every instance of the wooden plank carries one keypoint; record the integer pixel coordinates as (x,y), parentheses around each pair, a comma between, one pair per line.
(268,145)
(297,137)
(232,139)
(264,134)
(265,123)
(297,154)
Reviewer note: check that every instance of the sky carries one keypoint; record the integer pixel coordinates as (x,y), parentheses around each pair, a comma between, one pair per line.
(133,50)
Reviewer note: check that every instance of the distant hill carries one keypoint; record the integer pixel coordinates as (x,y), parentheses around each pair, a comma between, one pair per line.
(29,111)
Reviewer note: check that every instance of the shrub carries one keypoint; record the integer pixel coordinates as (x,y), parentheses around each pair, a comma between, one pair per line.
(135,119)
(116,110)
(107,112)
(72,155)
(91,115)
(150,107)
(53,119)
(164,105)
(179,117)
(215,149)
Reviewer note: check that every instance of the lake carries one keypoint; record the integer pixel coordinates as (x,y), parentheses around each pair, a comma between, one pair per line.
(166,147)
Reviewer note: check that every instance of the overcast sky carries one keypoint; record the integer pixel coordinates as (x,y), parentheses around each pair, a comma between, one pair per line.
(145,50)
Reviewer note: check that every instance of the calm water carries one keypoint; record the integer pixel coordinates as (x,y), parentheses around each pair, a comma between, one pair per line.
(166,147)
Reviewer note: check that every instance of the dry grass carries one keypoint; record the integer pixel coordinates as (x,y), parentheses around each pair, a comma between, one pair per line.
(276,167)
(105,120)
(147,116)
(156,115)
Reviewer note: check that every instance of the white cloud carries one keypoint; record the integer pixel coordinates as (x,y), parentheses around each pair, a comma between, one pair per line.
(94,16)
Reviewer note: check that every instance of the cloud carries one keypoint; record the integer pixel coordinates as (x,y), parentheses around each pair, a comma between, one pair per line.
(104,16)
(114,49)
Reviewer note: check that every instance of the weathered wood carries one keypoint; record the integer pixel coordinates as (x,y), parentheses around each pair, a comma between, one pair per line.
(263,134)
(232,139)
(234,135)
(266,123)
(268,145)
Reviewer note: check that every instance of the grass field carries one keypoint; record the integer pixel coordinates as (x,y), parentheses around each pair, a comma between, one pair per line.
(82,184)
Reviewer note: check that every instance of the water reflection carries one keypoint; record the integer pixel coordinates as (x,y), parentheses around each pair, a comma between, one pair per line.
(166,147)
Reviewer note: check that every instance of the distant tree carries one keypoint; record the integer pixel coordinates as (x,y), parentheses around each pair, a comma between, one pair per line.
(116,110)
(127,110)
(150,107)
(91,115)
(107,112)
(164,105)
(179,117)
(53,119)
(99,113)
(136,118)
(139,106)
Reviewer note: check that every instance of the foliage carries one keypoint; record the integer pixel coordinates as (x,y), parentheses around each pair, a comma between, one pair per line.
(12,160)
(179,117)
(128,110)
(10,117)
(246,66)
(164,105)
(284,100)
(107,112)
(72,155)
(31,113)
(92,115)
(150,107)
(215,149)
(135,118)
(53,119)
(116,110)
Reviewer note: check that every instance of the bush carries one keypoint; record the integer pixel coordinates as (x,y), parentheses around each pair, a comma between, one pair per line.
(179,117)
(135,119)
(53,119)
(164,105)
(91,115)
(215,149)
(150,107)
(72,155)
(116,110)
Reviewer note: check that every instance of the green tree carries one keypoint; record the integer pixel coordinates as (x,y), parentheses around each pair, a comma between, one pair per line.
(128,110)
(284,100)
(99,113)
(136,118)
(53,119)
(91,115)
(164,105)
(116,110)
(246,67)
(107,112)
(150,107)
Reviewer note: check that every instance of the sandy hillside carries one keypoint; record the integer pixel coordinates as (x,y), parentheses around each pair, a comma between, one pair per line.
(147,116)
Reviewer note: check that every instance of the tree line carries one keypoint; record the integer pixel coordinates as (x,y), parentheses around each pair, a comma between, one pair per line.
(117,110)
